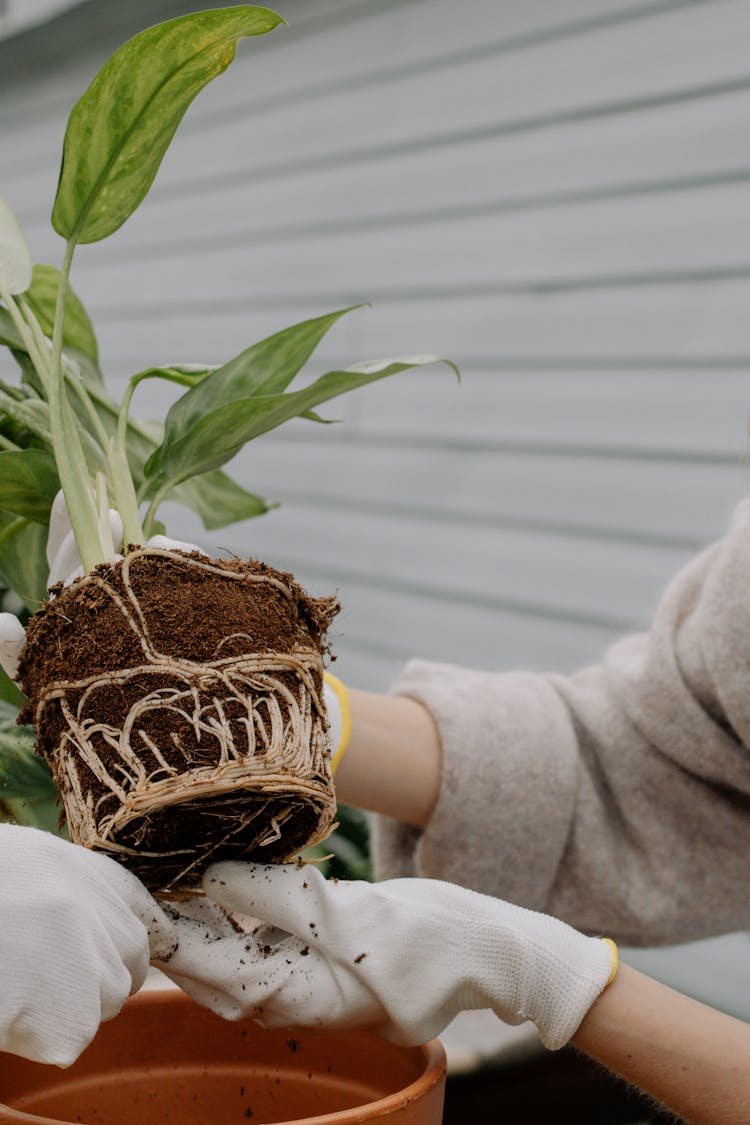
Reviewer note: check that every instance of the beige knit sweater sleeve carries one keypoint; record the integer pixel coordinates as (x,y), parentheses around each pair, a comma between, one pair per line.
(618,798)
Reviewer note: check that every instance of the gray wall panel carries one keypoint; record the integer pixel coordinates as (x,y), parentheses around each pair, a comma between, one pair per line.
(552,195)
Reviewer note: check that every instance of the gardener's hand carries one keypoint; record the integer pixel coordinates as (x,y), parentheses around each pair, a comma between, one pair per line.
(74,943)
(402,957)
(65,566)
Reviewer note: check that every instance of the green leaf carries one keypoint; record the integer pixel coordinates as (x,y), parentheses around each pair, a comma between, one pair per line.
(352,823)
(9,335)
(30,413)
(348,861)
(350,844)
(187,374)
(219,500)
(15,260)
(42,812)
(29,374)
(27,790)
(22,773)
(11,428)
(215,497)
(78,331)
(85,367)
(265,368)
(9,692)
(28,483)
(82,362)
(23,558)
(122,125)
(217,436)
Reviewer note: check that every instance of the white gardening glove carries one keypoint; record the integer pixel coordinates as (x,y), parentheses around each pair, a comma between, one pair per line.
(74,943)
(402,957)
(63,557)
(65,566)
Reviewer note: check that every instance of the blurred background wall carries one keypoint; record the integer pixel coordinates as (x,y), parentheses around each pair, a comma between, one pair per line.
(554,194)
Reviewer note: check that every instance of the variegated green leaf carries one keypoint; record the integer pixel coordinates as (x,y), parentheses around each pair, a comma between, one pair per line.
(121,127)
(28,483)
(263,369)
(213,439)
(23,558)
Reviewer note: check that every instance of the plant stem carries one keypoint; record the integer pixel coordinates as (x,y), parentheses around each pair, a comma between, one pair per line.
(153,507)
(102,507)
(106,403)
(23,412)
(70,376)
(122,417)
(122,479)
(123,491)
(82,395)
(37,356)
(66,443)
(73,380)
(120,475)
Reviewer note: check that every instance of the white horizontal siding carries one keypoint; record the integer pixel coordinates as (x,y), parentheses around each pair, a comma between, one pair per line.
(639,415)
(555,196)
(588,244)
(669,320)
(576,496)
(15,15)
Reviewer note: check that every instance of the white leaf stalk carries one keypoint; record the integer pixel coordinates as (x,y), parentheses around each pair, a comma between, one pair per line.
(66,443)
(86,499)
(16,272)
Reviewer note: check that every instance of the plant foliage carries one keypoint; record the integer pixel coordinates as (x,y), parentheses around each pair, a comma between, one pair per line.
(60,427)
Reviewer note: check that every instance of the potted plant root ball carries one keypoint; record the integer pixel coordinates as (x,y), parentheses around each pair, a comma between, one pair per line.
(177,701)
(177,698)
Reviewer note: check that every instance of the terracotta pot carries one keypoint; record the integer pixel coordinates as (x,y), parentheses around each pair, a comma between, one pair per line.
(167,1060)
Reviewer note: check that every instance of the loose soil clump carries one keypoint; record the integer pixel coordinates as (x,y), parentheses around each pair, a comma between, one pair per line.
(178,702)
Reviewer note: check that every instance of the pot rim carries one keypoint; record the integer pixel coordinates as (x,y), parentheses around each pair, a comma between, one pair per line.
(433,1052)
(434,1071)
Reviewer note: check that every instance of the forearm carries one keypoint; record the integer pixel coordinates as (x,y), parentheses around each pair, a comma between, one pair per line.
(392,763)
(693,1059)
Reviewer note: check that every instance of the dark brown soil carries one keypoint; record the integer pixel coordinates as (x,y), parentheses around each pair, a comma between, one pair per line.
(90,653)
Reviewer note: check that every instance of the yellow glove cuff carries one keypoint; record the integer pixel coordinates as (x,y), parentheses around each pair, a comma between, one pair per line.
(614,955)
(342,695)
